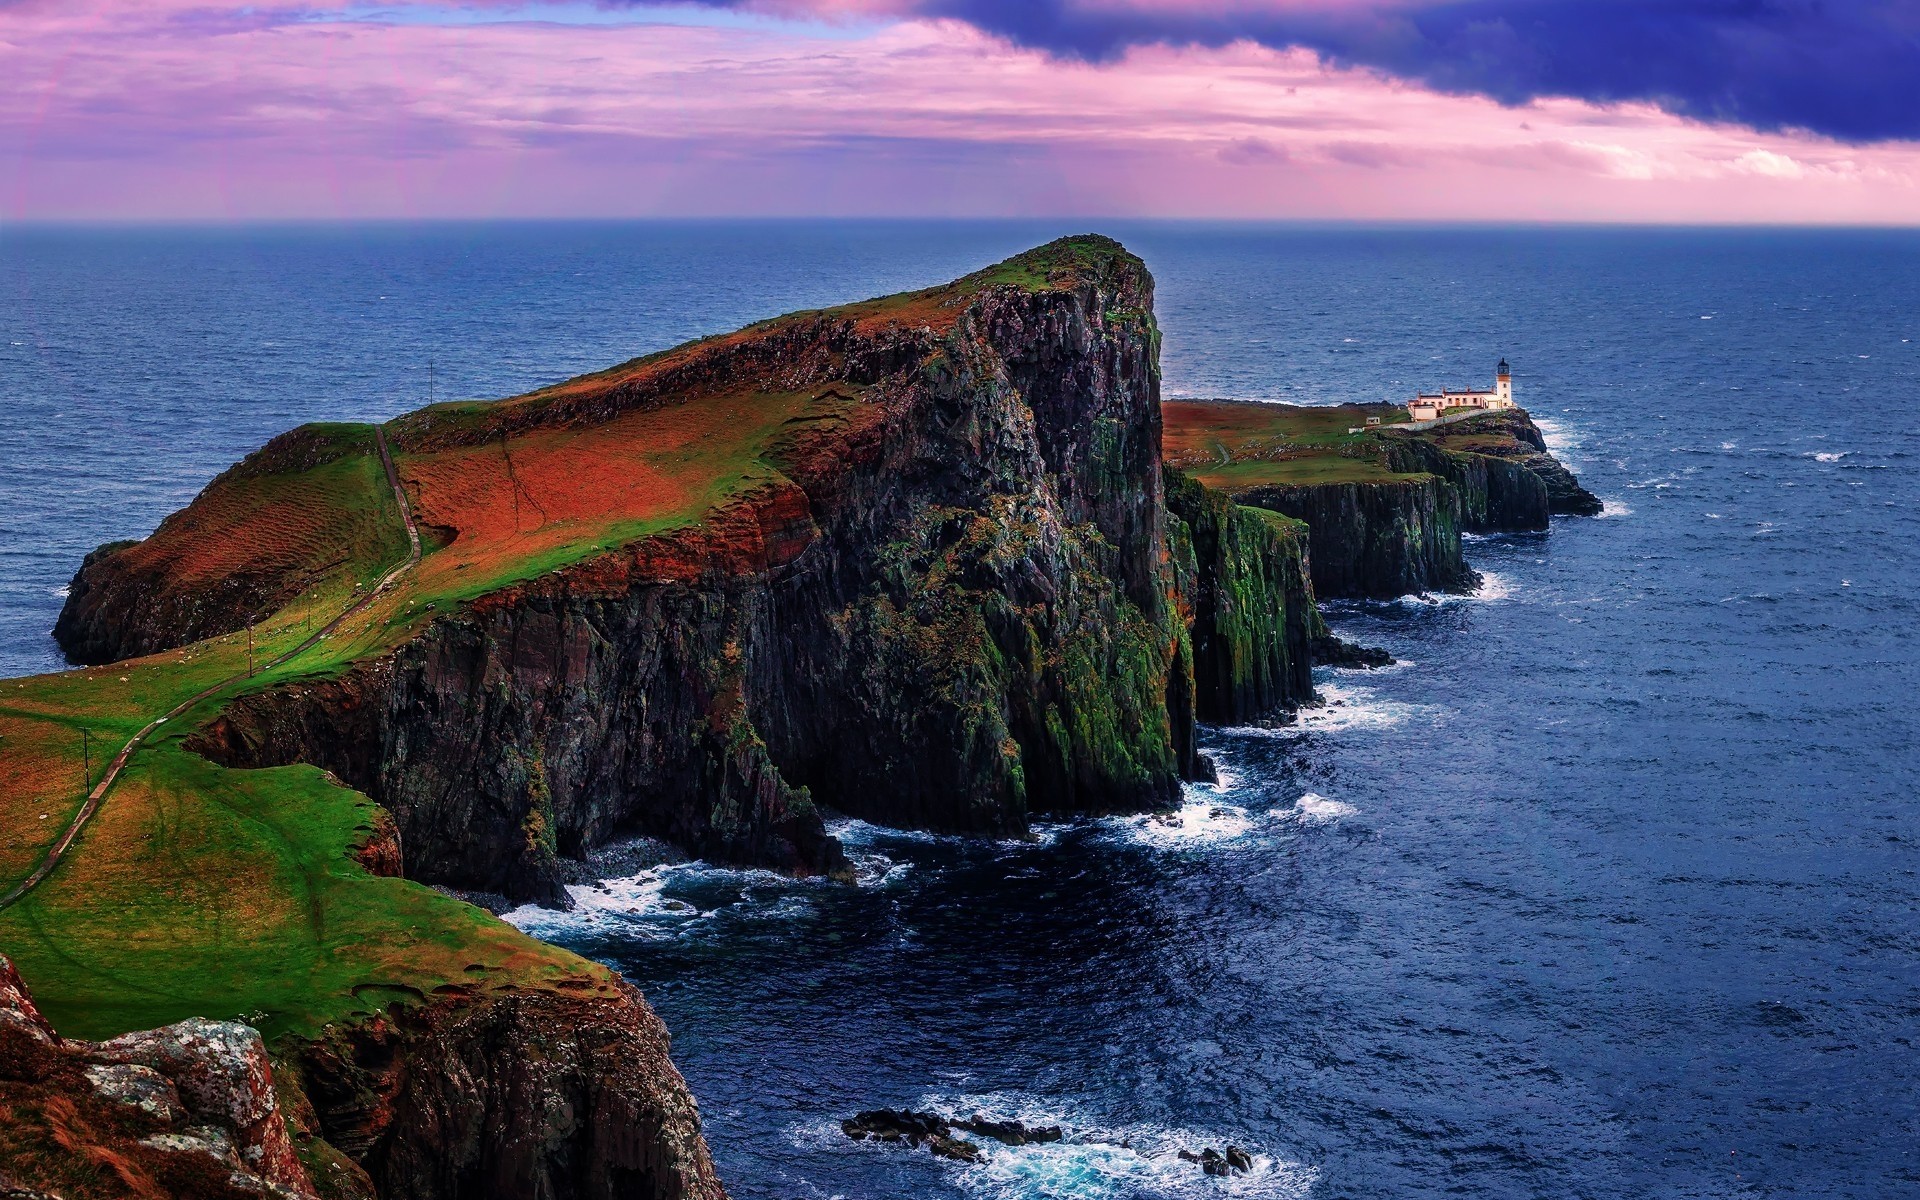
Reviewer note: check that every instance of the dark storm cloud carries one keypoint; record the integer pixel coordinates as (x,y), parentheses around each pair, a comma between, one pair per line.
(1849,69)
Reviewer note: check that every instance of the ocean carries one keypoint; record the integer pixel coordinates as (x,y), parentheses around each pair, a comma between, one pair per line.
(1610,888)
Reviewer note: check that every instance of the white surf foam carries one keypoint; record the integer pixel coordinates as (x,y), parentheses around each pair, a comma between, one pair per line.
(1351,706)
(638,905)
(1204,818)
(1831,457)
(1095,1160)
(630,902)
(1493,586)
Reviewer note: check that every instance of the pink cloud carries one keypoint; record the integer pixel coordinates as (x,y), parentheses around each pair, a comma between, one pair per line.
(177,109)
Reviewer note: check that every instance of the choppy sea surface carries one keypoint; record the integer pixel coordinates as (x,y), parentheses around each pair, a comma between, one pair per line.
(1607,890)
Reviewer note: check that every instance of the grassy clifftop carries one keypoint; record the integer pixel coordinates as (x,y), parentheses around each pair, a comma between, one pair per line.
(199,890)
(1236,446)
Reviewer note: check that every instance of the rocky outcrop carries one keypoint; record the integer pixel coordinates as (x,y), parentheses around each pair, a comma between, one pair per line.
(187,1110)
(1386,538)
(1377,540)
(1496,495)
(469,1097)
(1242,579)
(1512,435)
(962,594)
(522,1094)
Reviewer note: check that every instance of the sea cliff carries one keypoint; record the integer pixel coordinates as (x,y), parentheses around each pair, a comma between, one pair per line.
(925,541)
(1384,507)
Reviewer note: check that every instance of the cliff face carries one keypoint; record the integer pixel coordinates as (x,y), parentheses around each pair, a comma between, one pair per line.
(1385,505)
(1512,436)
(950,611)
(1496,495)
(522,1095)
(1242,577)
(1377,540)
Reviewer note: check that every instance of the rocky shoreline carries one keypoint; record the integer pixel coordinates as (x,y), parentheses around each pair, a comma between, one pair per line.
(974,577)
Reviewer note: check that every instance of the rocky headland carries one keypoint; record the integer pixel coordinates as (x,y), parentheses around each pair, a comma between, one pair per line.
(930,541)
(1384,506)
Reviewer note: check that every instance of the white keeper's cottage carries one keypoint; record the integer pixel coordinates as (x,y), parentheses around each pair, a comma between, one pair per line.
(1426,407)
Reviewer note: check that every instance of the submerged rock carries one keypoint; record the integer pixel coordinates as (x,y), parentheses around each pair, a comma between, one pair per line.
(938,1133)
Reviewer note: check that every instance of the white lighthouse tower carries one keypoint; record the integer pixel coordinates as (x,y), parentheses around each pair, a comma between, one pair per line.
(1503,385)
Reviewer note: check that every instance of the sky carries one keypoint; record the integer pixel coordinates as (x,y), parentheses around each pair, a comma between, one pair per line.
(1710,111)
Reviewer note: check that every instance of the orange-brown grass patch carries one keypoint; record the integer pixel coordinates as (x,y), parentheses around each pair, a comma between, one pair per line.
(1237,446)
(280,516)
(528,503)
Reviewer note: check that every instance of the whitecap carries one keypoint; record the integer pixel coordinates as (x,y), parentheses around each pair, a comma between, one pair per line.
(1830,457)
(1492,586)
(638,905)
(852,831)
(1612,507)
(610,903)
(1315,809)
(873,869)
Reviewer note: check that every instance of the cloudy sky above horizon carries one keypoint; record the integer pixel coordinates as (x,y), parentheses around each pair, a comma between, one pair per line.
(1586,110)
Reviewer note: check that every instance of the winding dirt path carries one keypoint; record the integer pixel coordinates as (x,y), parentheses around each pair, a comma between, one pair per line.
(57,852)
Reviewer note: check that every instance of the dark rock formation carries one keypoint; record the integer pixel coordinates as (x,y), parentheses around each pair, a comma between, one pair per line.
(1377,540)
(940,1134)
(1332,651)
(1513,435)
(527,1094)
(1234,1162)
(1242,575)
(1496,495)
(968,594)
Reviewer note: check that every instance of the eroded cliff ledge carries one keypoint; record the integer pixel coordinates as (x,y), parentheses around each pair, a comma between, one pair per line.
(1384,507)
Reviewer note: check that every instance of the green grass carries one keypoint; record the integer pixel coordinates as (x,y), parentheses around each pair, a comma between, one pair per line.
(201,890)
(1238,447)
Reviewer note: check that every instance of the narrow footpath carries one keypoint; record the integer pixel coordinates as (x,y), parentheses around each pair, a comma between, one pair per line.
(58,850)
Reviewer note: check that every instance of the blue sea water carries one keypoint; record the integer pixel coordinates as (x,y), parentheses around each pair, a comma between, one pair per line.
(1607,890)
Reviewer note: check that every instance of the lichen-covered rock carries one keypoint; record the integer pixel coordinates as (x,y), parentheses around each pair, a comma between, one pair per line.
(141,1087)
(1377,540)
(222,1074)
(1496,495)
(185,1110)
(1242,579)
